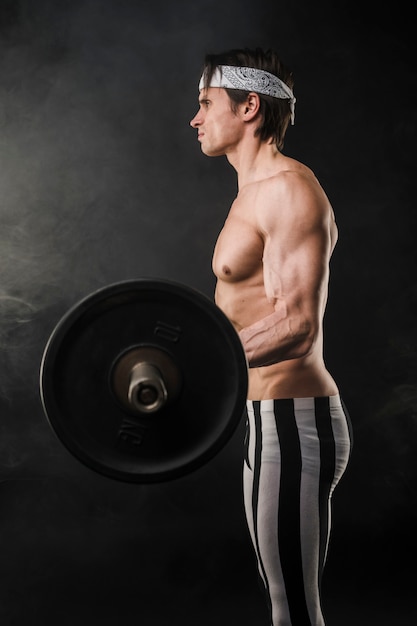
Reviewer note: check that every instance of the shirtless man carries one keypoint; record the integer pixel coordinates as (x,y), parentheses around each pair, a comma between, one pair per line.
(271,261)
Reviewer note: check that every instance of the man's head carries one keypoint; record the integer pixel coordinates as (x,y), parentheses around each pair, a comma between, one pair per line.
(276,98)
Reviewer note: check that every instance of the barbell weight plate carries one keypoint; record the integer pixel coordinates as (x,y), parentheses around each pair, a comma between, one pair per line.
(77,380)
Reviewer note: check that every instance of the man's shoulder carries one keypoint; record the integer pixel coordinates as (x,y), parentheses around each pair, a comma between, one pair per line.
(292,183)
(293,195)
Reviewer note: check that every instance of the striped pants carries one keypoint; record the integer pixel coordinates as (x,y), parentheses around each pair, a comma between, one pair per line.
(296,452)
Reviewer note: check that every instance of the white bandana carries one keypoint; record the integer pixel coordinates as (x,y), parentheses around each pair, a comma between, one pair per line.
(251,79)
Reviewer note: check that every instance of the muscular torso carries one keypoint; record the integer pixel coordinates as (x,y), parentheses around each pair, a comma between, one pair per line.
(238,263)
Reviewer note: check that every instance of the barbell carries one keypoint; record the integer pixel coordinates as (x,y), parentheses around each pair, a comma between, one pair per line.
(144,380)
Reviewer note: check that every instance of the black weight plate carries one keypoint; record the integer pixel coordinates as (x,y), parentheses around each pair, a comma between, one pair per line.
(78,398)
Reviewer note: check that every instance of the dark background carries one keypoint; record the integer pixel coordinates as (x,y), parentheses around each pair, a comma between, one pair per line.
(102,180)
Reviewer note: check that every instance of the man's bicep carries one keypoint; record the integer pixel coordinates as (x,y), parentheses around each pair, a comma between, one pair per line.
(294,268)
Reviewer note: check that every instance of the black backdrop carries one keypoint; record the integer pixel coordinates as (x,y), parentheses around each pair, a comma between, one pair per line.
(102,180)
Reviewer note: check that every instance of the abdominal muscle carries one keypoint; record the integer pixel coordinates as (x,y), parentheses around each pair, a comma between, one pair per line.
(298,378)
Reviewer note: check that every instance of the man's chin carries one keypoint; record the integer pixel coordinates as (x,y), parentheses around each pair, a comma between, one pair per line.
(210,151)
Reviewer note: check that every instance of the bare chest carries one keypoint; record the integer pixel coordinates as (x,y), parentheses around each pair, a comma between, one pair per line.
(239,250)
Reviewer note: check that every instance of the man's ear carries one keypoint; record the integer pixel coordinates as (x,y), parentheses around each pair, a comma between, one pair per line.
(251,106)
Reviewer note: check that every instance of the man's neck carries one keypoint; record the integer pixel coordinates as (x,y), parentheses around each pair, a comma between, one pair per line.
(255,160)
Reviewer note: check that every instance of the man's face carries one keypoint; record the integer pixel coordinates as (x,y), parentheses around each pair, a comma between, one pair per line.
(219,128)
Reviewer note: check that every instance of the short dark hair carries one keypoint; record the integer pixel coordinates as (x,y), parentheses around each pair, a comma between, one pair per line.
(275,112)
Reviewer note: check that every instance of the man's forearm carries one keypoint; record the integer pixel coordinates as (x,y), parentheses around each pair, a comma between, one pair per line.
(274,339)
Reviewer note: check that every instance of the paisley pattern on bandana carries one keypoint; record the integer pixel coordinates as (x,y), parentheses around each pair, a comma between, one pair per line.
(251,79)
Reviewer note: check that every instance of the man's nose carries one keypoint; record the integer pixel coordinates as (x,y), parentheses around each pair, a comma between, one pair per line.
(196,121)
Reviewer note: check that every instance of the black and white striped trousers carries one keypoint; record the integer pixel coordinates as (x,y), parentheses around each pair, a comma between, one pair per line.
(296,452)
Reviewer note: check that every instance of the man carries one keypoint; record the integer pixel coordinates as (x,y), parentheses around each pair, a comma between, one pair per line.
(271,261)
